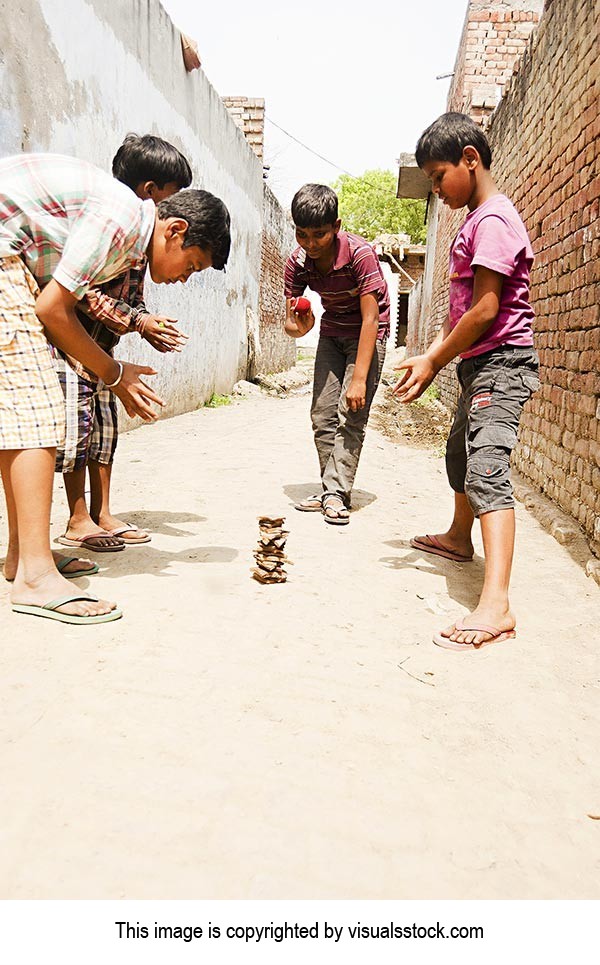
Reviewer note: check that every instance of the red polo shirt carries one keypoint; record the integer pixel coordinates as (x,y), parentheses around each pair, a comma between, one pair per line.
(355,271)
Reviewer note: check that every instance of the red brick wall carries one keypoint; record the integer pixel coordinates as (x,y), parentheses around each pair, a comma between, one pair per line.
(544,137)
(494,35)
(249,115)
(277,350)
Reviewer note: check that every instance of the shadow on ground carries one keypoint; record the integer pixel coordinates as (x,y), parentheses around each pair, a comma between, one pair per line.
(463,580)
(154,562)
(162,521)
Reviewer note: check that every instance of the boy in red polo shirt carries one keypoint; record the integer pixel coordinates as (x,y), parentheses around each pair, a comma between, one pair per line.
(344,269)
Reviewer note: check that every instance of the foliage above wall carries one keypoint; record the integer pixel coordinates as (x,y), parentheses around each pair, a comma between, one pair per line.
(369,207)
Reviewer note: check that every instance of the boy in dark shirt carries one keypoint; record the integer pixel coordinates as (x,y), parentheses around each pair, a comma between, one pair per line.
(344,270)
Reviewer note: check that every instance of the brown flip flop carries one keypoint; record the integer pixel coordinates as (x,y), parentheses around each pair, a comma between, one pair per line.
(438,549)
(92,543)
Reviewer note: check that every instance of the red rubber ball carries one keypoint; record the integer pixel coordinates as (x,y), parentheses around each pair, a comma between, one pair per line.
(300,305)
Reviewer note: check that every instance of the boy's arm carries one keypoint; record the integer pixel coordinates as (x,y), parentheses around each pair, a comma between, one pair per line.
(120,317)
(55,307)
(356,396)
(114,313)
(421,370)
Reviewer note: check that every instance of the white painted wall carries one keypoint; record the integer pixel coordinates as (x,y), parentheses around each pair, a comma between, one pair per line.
(75,77)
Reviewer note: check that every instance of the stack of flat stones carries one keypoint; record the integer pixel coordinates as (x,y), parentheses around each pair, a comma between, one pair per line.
(270,552)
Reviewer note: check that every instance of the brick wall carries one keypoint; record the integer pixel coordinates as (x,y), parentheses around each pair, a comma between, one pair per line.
(269,348)
(277,350)
(249,115)
(495,34)
(544,136)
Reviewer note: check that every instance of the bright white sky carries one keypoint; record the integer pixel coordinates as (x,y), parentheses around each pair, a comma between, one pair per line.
(355,81)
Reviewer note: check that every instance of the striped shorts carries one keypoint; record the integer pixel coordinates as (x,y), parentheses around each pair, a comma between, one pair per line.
(32,408)
(92,421)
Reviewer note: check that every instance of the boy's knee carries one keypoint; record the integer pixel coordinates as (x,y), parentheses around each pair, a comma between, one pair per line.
(487,480)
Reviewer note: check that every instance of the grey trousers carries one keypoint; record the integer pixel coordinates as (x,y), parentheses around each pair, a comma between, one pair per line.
(495,387)
(339,433)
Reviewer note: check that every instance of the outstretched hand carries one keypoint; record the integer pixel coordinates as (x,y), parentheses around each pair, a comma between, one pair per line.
(162,333)
(135,394)
(419,372)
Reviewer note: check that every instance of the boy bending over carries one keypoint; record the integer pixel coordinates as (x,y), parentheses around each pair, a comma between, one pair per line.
(67,227)
(344,269)
(490,328)
(154,169)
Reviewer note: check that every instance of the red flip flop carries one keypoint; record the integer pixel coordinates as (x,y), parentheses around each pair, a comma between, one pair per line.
(436,548)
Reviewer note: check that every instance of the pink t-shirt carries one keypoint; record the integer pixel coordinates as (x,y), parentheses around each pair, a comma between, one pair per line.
(494,237)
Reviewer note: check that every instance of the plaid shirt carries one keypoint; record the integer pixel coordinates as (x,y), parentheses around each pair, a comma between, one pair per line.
(70,221)
(108,312)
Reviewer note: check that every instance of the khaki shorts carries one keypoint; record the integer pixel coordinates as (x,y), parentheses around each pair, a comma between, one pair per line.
(32,406)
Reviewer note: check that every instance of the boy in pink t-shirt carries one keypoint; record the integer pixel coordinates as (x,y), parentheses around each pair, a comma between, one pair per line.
(490,327)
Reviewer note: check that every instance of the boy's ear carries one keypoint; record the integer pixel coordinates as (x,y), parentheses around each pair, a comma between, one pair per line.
(337,225)
(471,157)
(146,189)
(176,228)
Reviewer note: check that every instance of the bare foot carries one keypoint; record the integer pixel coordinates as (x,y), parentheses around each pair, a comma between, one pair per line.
(502,620)
(50,585)
(10,564)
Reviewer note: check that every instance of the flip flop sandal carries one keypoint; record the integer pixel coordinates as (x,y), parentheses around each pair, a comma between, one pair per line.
(72,574)
(496,636)
(314,504)
(438,549)
(130,528)
(335,516)
(92,543)
(51,612)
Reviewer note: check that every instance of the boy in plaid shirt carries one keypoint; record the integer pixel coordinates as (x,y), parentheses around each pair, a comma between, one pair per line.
(67,227)
(154,169)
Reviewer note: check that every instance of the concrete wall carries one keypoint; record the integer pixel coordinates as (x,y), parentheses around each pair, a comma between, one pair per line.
(544,136)
(75,77)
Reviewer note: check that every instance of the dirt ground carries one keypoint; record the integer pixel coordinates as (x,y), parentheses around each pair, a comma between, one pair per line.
(232,740)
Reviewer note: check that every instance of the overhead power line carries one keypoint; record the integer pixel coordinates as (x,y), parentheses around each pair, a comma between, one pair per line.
(311,150)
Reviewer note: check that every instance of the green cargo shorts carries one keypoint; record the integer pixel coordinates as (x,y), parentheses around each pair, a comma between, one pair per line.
(495,387)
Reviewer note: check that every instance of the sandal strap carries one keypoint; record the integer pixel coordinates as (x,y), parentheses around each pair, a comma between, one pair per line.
(69,598)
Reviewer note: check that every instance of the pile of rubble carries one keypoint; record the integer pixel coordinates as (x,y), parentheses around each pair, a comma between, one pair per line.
(270,552)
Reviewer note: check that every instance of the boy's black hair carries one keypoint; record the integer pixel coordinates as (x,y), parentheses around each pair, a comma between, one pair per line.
(149,158)
(314,205)
(208,222)
(446,138)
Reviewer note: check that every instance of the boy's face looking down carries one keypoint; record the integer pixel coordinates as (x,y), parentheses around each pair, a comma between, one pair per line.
(455,184)
(318,242)
(168,260)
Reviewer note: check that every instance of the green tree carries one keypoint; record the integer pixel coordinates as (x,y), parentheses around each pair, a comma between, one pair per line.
(369,207)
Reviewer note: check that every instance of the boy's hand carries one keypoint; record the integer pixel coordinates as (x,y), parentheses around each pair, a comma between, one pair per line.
(356,396)
(301,324)
(135,394)
(419,373)
(162,334)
